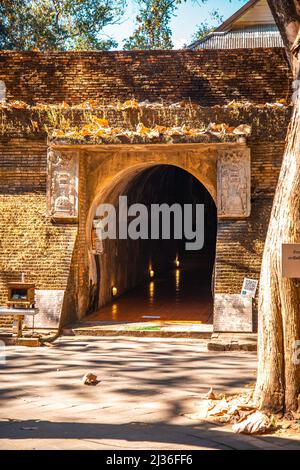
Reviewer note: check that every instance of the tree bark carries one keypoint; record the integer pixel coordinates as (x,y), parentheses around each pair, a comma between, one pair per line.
(278,380)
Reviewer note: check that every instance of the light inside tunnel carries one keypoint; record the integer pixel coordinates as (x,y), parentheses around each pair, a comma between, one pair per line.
(151,273)
(114,291)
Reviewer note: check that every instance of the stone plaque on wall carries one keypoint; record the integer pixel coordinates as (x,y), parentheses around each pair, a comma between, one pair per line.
(233,314)
(234,183)
(49,304)
(62,185)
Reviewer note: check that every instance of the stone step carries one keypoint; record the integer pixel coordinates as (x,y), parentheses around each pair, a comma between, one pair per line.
(137,334)
(213,341)
(233,342)
(145,329)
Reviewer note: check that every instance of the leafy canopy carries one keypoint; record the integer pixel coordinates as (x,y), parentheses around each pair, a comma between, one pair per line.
(208,26)
(58,24)
(79,24)
(153,25)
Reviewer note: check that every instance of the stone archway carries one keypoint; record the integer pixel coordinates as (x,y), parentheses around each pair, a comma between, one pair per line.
(140,179)
(223,168)
(115,168)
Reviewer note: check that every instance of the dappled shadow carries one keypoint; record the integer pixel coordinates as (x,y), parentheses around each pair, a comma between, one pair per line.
(150,381)
(202,435)
(153,367)
(126,366)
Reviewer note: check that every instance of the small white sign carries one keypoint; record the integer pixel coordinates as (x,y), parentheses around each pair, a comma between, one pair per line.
(249,288)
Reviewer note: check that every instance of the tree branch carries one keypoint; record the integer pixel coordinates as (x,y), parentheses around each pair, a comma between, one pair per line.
(287,17)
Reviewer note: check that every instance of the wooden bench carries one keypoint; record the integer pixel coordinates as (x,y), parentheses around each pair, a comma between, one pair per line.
(18,314)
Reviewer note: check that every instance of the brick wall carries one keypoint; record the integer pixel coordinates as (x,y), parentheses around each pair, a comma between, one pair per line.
(207,77)
(29,242)
(22,166)
(51,254)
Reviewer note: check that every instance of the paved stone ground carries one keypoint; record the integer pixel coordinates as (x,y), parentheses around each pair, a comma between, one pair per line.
(146,387)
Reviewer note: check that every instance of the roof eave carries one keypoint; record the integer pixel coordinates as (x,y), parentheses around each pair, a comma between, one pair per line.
(226,25)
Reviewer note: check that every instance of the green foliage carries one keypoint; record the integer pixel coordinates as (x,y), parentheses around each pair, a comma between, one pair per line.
(57,24)
(153,25)
(208,26)
(78,24)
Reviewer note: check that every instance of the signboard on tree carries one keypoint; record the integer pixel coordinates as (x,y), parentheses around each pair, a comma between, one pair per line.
(291,260)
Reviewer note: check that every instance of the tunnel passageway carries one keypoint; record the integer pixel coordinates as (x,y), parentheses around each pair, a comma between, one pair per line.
(182,294)
(174,293)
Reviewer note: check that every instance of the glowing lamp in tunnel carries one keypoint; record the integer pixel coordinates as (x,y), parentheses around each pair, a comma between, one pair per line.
(151,273)
(177,263)
(114,291)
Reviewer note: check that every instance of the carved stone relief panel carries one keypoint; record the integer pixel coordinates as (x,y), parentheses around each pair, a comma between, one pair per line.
(62,185)
(234,183)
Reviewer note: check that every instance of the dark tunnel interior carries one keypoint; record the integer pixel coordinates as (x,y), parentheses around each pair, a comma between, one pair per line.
(158,279)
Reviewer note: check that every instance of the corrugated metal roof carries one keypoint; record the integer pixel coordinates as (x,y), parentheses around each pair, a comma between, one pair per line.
(251,37)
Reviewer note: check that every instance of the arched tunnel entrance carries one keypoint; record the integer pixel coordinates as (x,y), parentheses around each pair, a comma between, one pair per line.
(156,279)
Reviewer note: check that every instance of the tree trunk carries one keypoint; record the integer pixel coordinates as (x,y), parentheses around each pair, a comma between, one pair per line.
(278,381)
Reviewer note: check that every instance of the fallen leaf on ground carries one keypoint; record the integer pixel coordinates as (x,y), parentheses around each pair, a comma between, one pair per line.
(256,423)
(211,395)
(160,129)
(100,121)
(58,133)
(243,129)
(279,103)
(18,104)
(219,409)
(87,130)
(90,379)
(64,105)
(88,104)
(130,104)
(141,129)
